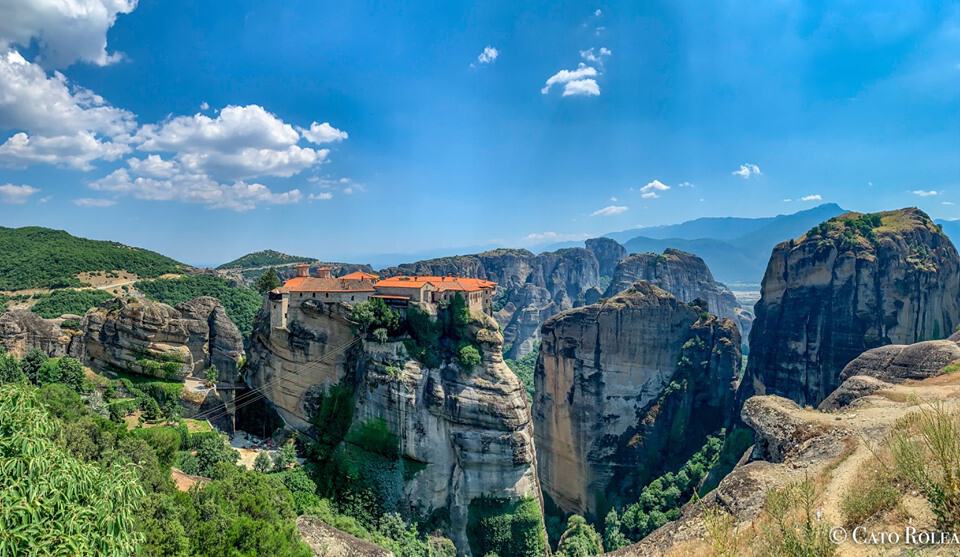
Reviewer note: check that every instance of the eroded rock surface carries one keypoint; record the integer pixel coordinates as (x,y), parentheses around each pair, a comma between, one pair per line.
(22,331)
(855,282)
(625,390)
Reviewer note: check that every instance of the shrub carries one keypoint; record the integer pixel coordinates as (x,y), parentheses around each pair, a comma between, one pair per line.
(469,357)
(263,462)
(580,539)
(868,499)
(10,371)
(61,302)
(505,527)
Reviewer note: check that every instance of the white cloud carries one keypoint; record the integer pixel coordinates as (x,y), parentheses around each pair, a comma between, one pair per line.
(488,55)
(654,186)
(193,187)
(153,166)
(241,142)
(595,56)
(598,13)
(204,105)
(94,202)
(948,203)
(812,197)
(565,77)
(581,87)
(649,195)
(550,236)
(322,196)
(609,211)
(747,170)
(74,151)
(788,200)
(12,194)
(614,199)
(65,30)
(925,193)
(686,185)
(323,133)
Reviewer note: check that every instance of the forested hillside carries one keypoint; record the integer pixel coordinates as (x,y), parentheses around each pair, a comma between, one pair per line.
(240,303)
(264,258)
(35,257)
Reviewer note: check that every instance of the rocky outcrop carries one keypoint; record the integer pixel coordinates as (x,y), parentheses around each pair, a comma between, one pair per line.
(291,365)
(608,252)
(22,331)
(625,390)
(682,274)
(530,288)
(853,283)
(151,338)
(470,429)
(326,541)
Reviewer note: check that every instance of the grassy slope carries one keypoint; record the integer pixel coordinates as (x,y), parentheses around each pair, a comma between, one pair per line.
(35,257)
(264,258)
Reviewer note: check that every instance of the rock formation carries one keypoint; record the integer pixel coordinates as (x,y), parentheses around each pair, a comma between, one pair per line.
(22,331)
(835,447)
(682,274)
(608,253)
(468,432)
(854,282)
(140,336)
(626,390)
(530,289)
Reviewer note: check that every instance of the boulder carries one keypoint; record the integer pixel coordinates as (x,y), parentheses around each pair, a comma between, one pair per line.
(22,331)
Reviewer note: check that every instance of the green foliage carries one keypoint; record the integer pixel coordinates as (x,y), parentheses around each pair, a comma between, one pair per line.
(63,402)
(661,499)
(211,375)
(524,368)
(375,436)
(211,452)
(35,257)
(868,499)
(267,281)
(31,364)
(469,357)
(373,315)
(425,334)
(286,457)
(241,304)
(51,499)
(61,370)
(264,258)
(263,462)
(332,415)
(579,540)
(613,537)
(790,526)
(10,371)
(62,302)
(505,527)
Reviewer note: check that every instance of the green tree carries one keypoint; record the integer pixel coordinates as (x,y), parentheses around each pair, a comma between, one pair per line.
(268,281)
(613,538)
(212,451)
(71,373)
(9,369)
(580,539)
(469,357)
(31,363)
(286,456)
(263,463)
(51,499)
(211,375)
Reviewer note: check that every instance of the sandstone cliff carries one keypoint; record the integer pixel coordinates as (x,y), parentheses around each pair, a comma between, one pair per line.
(140,336)
(530,288)
(840,450)
(22,331)
(608,253)
(682,274)
(626,390)
(852,283)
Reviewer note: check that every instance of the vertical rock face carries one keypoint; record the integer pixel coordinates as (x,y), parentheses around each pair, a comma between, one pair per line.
(470,429)
(854,282)
(22,331)
(682,274)
(530,288)
(196,335)
(625,390)
(291,365)
(608,253)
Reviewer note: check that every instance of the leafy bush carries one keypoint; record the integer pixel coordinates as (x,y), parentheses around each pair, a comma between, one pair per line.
(241,304)
(373,315)
(579,540)
(469,357)
(62,302)
(35,257)
(505,527)
(375,436)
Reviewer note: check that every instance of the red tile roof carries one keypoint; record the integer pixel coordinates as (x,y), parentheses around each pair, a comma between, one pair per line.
(315,284)
(442,284)
(359,275)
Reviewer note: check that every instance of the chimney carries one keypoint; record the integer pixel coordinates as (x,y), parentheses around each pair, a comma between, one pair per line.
(323,272)
(303,270)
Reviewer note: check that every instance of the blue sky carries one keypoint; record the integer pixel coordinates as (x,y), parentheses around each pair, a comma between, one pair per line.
(341,129)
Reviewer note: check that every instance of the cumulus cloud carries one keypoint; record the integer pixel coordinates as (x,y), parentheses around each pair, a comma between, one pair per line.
(686,185)
(609,211)
(575,82)
(12,194)
(75,151)
(925,193)
(595,56)
(197,188)
(747,170)
(812,197)
(323,133)
(94,202)
(654,185)
(488,55)
(322,196)
(65,30)
(948,203)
